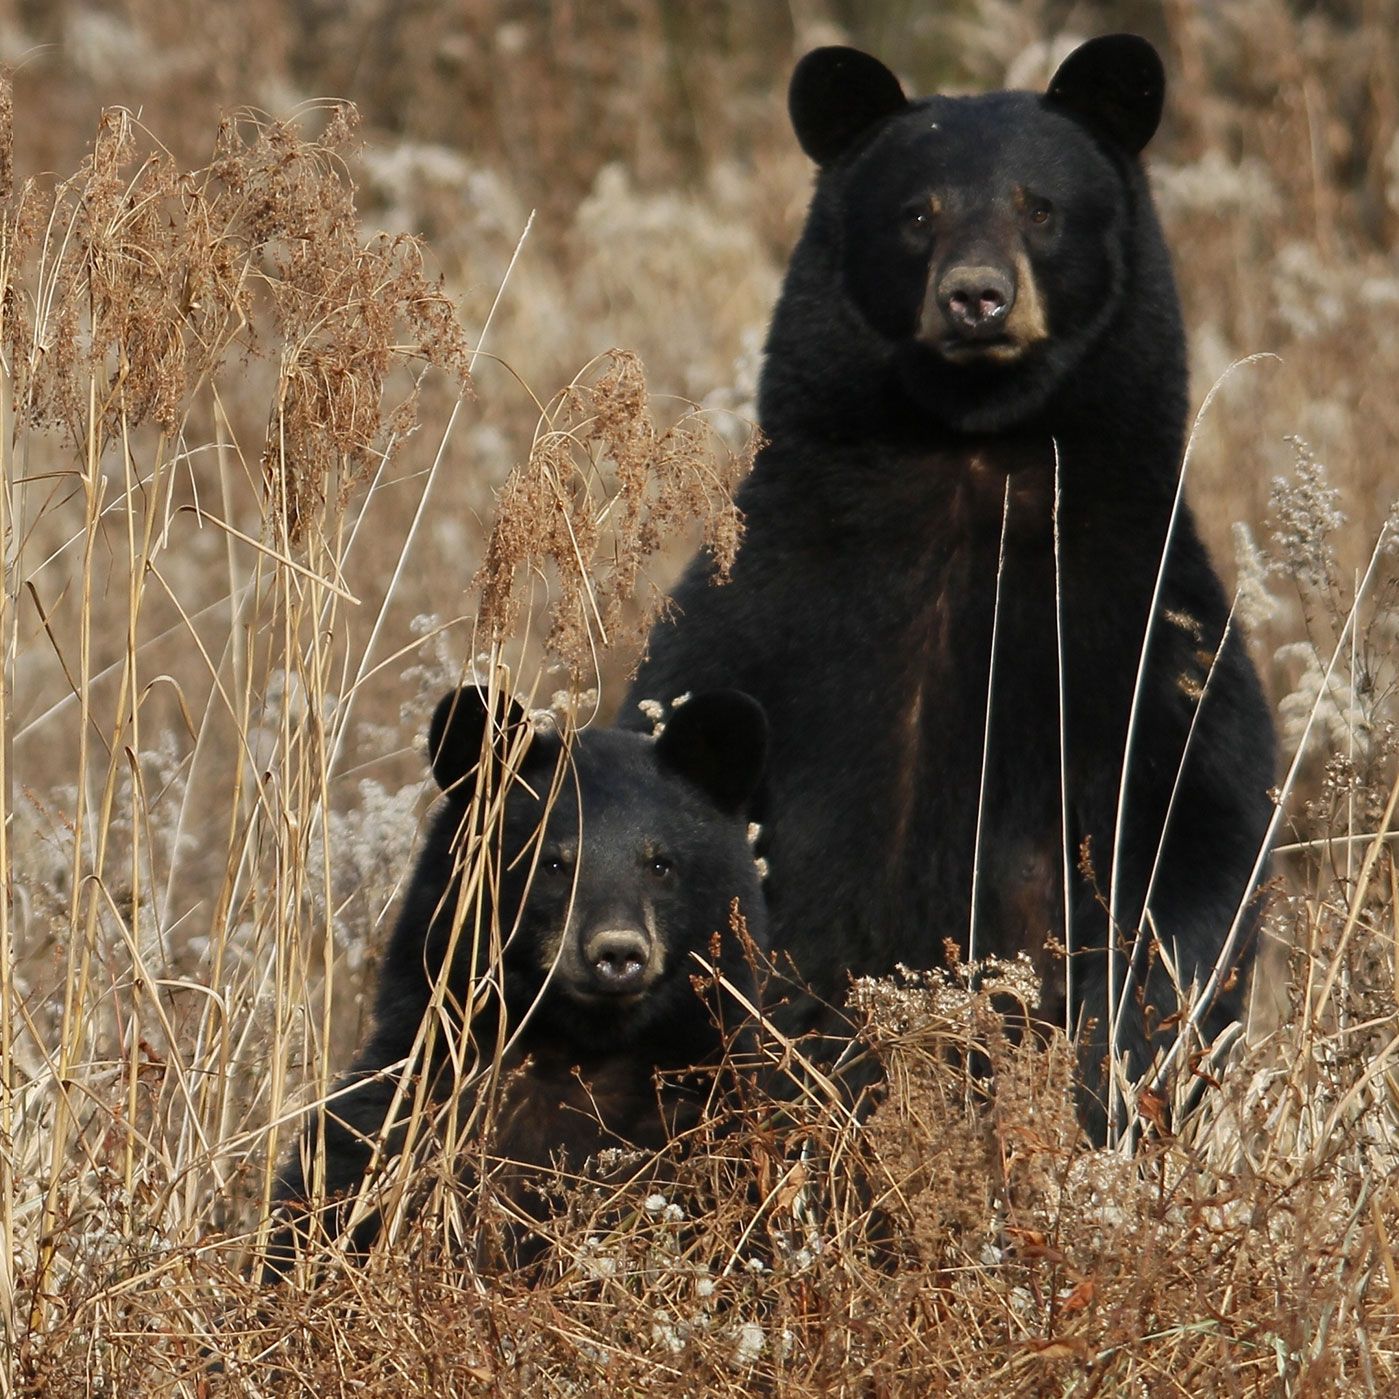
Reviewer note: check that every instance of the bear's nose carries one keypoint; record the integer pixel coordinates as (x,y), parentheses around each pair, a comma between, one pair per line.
(618,958)
(975,300)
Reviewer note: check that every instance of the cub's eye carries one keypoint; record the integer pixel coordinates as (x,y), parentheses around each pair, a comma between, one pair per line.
(556,865)
(1041,211)
(659,866)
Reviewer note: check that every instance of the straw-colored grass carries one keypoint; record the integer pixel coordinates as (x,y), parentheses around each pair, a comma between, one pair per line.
(277,473)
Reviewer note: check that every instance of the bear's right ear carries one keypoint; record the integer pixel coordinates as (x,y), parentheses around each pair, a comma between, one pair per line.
(457,733)
(718,741)
(836,94)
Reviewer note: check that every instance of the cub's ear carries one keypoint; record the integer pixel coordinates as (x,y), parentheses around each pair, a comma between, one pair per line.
(457,733)
(1115,85)
(836,94)
(719,742)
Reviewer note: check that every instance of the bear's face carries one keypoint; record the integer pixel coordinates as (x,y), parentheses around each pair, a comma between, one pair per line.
(981,242)
(981,238)
(621,855)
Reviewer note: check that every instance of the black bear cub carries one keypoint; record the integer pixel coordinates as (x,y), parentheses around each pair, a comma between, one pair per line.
(567,941)
(947,597)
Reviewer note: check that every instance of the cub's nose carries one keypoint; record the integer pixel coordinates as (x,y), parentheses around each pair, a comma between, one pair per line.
(617,958)
(975,301)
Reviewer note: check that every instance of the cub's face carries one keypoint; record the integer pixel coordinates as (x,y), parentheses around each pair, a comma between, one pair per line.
(618,876)
(620,857)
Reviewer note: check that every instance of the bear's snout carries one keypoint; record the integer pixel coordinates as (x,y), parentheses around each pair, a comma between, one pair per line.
(618,959)
(975,301)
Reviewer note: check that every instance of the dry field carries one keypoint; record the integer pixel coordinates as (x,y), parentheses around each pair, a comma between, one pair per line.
(307,408)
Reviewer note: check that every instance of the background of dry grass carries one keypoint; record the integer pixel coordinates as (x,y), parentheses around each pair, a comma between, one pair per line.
(244,505)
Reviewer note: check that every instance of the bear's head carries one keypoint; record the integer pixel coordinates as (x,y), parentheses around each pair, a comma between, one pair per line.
(620,856)
(983,242)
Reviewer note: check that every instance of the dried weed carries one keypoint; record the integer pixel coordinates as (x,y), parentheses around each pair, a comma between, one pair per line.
(233,466)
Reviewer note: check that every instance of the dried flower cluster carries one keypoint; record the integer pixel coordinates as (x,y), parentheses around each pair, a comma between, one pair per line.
(602,490)
(150,278)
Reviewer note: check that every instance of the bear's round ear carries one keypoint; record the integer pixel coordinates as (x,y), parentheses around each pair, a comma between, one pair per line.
(836,94)
(458,731)
(719,742)
(1116,85)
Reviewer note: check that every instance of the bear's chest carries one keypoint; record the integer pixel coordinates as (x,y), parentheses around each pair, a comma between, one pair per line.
(937,561)
(930,593)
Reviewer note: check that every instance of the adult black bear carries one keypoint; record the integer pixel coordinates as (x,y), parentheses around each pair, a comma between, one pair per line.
(569,938)
(974,396)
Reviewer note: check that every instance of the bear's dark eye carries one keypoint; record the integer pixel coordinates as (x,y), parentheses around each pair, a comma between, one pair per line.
(918,215)
(659,866)
(1041,211)
(556,865)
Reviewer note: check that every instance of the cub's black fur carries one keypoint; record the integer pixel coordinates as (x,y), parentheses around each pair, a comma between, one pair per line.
(619,856)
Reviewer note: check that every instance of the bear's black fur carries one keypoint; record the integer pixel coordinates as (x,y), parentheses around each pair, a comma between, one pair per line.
(618,856)
(978,351)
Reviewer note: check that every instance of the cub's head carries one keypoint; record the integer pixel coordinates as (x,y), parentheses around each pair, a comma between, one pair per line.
(986,240)
(621,855)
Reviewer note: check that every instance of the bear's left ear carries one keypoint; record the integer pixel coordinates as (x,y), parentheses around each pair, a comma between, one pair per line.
(1116,85)
(719,742)
(457,735)
(836,94)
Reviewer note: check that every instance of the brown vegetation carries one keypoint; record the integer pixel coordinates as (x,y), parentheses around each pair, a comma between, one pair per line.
(276,472)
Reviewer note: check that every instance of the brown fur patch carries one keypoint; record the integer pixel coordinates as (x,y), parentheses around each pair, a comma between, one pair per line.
(1027,322)
(1034,901)
(907,795)
(550,949)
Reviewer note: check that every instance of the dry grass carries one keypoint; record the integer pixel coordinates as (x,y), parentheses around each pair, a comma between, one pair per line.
(253,453)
